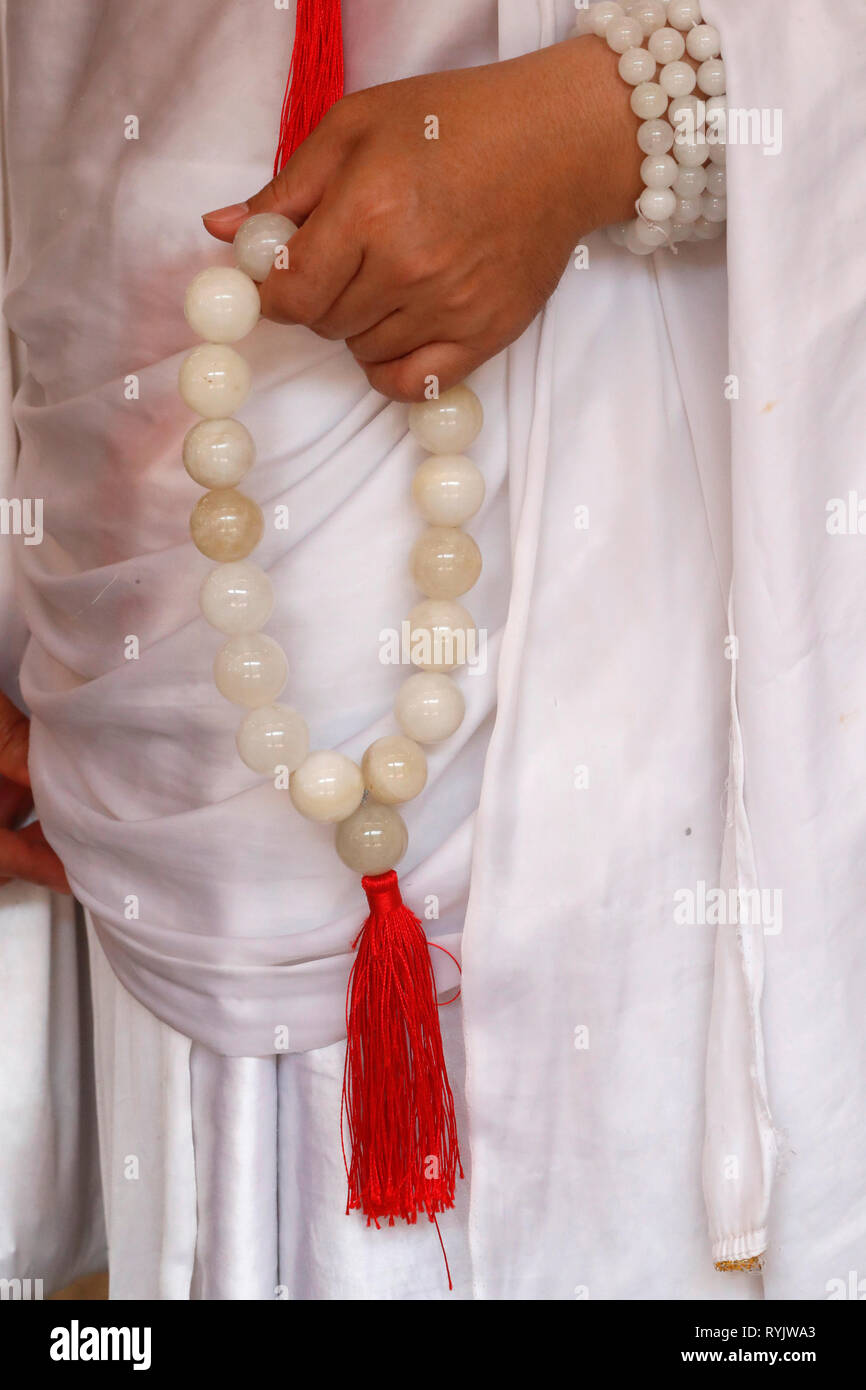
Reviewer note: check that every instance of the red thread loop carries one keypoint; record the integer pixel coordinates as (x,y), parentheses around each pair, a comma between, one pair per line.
(315,78)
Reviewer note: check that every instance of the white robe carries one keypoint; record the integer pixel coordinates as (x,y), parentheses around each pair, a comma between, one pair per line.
(586,1007)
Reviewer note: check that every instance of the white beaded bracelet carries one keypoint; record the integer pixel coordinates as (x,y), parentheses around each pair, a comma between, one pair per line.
(684,168)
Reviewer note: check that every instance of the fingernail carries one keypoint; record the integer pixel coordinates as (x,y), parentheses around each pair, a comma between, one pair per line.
(229,214)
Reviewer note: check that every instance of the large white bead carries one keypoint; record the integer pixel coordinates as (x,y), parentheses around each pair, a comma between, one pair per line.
(601,14)
(687,210)
(689,183)
(655,137)
(623,33)
(658,170)
(237,597)
(634,239)
(636,65)
(657,203)
(327,786)
(256,242)
(651,234)
(683,14)
(217,453)
(222,304)
(690,154)
(394,769)
(445,562)
(718,154)
(271,737)
(666,45)
(707,231)
(250,669)
(226,525)
(214,380)
(650,15)
(440,634)
(373,839)
(714,209)
(677,79)
(711,77)
(429,707)
(648,100)
(449,424)
(447,489)
(702,42)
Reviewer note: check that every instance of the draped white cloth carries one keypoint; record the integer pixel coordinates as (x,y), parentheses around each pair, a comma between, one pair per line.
(609,782)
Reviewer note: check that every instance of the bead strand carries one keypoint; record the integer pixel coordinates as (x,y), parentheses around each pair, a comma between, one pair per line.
(683,175)
(222,305)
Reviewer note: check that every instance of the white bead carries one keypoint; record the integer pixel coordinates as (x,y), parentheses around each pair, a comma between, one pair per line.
(648,100)
(655,137)
(658,170)
(690,155)
(237,597)
(327,786)
(250,669)
(616,233)
(373,839)
(707,231)
(687,210)
(394,769)
(634,242)
(271,737)
(439,634)
(689,183)
(222,304)
(623,33)
(714,209)
(650,15)
(718,154)
(601,14)
(657,203)
(256,241)
(681,232)
(636,65)
(683,14)
(711,77)
(449,424)
(214,380)
(445,562)
(717,182)
(677,79)
(704,41)
(666,45)
(447,489)
(217,453)
(652,234)
(429,707)
(687,106)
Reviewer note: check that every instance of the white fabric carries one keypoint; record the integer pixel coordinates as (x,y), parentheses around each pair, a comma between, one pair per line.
(50,1204)
(586,1159)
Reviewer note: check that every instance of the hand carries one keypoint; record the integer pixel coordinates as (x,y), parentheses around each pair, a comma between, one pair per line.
(24,853)
(429,256)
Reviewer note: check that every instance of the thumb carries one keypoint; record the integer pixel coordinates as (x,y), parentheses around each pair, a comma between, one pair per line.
(14,743)
(299,186)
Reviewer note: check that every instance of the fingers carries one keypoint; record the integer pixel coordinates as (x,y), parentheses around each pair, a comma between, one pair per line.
(14,743)
(26,854)
(301,185)
(325,256)
(406,378)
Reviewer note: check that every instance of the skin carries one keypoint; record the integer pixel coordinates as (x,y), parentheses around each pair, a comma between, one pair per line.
(427,256)
(430,256)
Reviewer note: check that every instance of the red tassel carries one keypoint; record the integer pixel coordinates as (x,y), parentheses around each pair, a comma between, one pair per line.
(315,78)
(397,1101)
